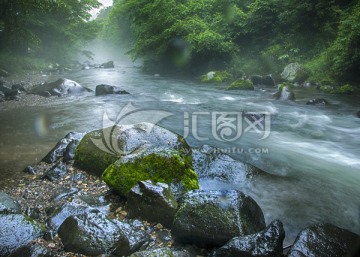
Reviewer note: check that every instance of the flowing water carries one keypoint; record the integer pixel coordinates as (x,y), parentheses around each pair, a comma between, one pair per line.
(313,151)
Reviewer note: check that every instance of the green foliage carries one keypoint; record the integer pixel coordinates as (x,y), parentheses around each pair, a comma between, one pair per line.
(216,76)
(241,84)
(345,89)
(19,63)
(167,167)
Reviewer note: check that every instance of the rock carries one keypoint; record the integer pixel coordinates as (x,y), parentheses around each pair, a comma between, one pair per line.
(152,202)
(58,171)
(337,89)
(317,101)
(266,80)
(19,87)
(324,240)
(62,148)
(69,153)
(100,148)
(107,89)
(212,218)
(60,87)
(285,92)
(107,65)
(4,73)
(33,250)
(159,252)
(216,76)
(30,170)
(358,114)
(294,72)
(8,92)
(8,205)
(63,193)
(17,230)
(94,234)
(266,243)
(209,163)
(158,165)
(2,96)
(57,217)
(241,84)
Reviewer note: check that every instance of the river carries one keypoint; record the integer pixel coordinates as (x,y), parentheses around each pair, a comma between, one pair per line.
(313,151)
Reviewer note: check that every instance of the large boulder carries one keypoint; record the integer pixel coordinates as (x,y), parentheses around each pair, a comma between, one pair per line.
(266,243)
(108,89)
(94,234)
(100,148)
(152,202)
(62,148)
(216,76)
(210,163)
(60,87)
(17,230)
(158,165)
(325,240)
(241,84)
(212,218)
(294,72)
(8,204)
(266,80)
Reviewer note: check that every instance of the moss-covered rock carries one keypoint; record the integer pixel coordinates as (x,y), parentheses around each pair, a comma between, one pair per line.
(330,89)
(216,76)
(294,72)
(241,84)
(158,165)
(285,92)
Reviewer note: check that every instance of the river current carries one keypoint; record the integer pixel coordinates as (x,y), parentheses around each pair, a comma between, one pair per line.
(312,151)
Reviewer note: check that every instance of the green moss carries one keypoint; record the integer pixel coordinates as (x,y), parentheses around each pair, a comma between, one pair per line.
(91,157)
(166,166)
(216,76)
(288,85)
(345,89)
(241,84)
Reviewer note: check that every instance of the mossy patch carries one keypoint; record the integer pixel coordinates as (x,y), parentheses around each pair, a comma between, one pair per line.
(241,84)
(92,158)
(167,166)
(345,89)
(216,76)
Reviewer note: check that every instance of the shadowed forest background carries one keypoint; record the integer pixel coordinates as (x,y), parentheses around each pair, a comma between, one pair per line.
(242,36)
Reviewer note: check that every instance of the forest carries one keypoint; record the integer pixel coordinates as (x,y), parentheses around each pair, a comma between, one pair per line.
(243,36)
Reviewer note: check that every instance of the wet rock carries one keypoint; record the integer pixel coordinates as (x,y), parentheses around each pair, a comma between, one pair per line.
(8,204)
(2,96)
(58,171)
(285,92)
(62,148)
(210,163)
(294,72)
(107,89)
(241,84)
(159,252)
(152,202)
(216,76)
(33,213)
(4,73)
(30,170)
(94,234)
(107,65)
(63,193)
(358,114)
(100,148)
(32,250)
(267,243)
(69,153)
(266,80)
(19,87)
(317,101)
(57,217)
(164,165)
(8,92)
(212,218)
(324,240)
(60,87)
(17,230)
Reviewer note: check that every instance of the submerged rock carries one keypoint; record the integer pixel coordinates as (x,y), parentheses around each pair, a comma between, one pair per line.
(241,84)
(212,218)
(100,148)
(324,240)
(294,72)
(107,65)
(317,101)
(266,243)
(8,204)
(152,202)
(94,234)
(17,230)
(285,92)
(158,165)
(30,170)
(58,171)
(358,114)
(108,89)
(60,87)
(266,80)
